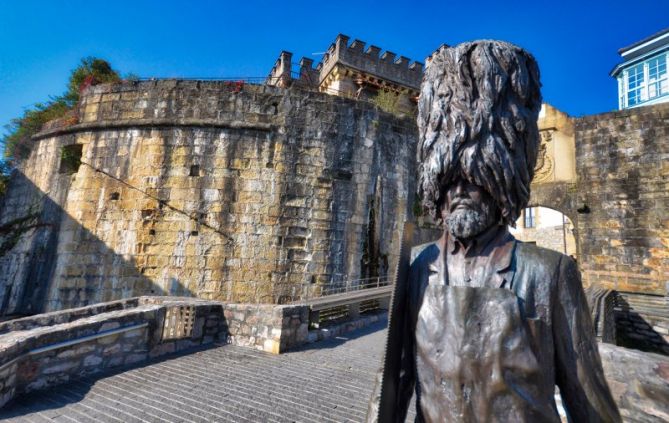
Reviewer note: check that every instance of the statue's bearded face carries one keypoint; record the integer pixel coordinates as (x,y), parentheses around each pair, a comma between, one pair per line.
(468,209)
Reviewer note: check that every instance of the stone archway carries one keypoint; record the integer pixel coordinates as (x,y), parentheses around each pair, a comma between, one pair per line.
(561,197)
(547,228)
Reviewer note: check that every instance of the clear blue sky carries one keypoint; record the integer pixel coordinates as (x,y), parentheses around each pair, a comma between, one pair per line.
(575,42)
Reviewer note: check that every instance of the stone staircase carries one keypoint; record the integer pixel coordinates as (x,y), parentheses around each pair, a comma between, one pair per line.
(642,322)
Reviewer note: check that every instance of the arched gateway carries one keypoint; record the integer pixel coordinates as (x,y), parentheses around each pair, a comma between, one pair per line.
(555,182)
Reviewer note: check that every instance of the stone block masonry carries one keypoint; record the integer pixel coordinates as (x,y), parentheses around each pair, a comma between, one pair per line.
(266,327)
(623,178)
(205,189)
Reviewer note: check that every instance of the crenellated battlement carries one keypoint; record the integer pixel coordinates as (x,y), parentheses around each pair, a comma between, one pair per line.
(383,65)
(439,49)
(280,75)
(346,67)
(354,70)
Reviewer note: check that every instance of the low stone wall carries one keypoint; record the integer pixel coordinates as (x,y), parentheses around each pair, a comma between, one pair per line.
(338,329)
(642,322)
(66,316)
(46,350)
(267,327)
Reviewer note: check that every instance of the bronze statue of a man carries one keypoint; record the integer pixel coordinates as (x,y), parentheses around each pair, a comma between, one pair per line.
(490,325)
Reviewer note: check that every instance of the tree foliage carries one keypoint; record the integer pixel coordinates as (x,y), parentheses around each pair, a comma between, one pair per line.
(90,71)
(4,177)
(17,140)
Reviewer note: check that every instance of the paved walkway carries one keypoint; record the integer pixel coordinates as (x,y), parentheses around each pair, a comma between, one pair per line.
(329,382)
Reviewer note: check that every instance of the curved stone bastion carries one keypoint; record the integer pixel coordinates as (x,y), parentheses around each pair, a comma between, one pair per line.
(216,190)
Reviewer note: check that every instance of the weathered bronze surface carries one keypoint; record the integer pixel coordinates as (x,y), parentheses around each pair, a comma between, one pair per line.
(484,327)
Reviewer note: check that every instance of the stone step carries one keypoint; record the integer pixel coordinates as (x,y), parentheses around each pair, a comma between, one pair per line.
(642,322)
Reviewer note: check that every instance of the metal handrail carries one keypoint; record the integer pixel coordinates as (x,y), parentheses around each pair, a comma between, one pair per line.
(265,292)
(311,291)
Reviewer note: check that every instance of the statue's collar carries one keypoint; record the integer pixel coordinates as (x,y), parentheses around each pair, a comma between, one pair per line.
(496,243)
(480,244)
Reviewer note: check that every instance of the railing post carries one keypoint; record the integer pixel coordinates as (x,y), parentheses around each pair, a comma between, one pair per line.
(314,318)
(384,303)
(354,310)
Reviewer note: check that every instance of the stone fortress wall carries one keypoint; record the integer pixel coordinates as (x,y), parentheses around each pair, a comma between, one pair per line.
(623,175)
(616,195)
(208,189)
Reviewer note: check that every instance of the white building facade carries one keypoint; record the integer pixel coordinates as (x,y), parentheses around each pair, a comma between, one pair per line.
(642,77)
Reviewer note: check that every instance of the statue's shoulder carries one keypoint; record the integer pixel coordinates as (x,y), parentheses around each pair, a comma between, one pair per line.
(424,253)
(531,255)
(421,257)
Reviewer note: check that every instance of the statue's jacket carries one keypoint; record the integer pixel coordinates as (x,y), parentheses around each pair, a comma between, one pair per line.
(496,353)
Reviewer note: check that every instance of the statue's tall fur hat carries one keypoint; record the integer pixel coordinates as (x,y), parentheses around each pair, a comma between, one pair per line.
(477,119)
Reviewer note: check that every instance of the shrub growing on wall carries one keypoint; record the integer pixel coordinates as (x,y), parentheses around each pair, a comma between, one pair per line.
(4,178)
(90,71)
(387,101)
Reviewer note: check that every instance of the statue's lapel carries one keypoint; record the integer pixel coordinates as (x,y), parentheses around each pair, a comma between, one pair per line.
(503,259)
(437,274)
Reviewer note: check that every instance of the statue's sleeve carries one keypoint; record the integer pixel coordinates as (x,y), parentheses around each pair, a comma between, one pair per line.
(579,375)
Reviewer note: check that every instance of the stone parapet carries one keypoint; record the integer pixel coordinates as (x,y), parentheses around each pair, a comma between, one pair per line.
(642,322)
(602,310)
(280,75)
(268,328)
(370,61)
(66,316)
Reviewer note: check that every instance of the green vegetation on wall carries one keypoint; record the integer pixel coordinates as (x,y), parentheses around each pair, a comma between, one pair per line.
(387,101)
(4,177)
(390,102)
(17,142)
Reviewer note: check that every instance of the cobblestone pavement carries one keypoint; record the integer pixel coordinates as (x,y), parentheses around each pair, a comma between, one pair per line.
(330,381)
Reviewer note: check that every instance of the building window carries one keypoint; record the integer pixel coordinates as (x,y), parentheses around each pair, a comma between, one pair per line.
(528,213)
(658,83)
(70,158)
(635,85)
(645,81)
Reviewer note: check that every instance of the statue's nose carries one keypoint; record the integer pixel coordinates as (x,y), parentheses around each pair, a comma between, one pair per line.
(460,188)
